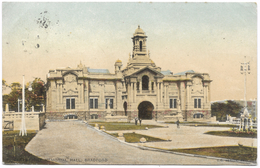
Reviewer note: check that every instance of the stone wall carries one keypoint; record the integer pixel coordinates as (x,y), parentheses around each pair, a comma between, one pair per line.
(33,120)
(61,115)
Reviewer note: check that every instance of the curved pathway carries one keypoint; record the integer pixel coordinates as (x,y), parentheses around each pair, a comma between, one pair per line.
(72,142)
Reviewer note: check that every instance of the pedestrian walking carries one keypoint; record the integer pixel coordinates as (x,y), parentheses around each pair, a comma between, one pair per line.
(178,123)
(136,120)
(140,120)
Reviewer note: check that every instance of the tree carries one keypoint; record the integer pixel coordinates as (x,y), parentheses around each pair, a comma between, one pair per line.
(14,95)
(220,110)
(35,98)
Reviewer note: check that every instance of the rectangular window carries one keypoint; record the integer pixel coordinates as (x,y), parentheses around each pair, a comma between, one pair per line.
(96,103)
(67,103)
(195,103)
(72,103)
(111,102)
(91,103)
(199,103)
(175,103)
(137,85)
(152,85)
(107,102)
(171,104)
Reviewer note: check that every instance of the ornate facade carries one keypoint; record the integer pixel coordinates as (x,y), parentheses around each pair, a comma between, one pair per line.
(141,90)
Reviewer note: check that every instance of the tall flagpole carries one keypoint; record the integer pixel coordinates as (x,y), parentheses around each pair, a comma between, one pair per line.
(23,128)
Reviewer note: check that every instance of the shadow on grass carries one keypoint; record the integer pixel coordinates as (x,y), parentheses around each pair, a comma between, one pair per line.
(14,152)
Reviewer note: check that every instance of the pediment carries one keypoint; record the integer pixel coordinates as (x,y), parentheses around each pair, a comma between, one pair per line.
(146,70)
(70,92)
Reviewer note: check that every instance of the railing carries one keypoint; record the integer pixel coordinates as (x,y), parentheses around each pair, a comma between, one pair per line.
(9,115)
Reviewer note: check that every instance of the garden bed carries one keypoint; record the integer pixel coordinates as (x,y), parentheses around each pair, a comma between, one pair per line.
(242,153)
(246,134)
(113,126)
(135,138)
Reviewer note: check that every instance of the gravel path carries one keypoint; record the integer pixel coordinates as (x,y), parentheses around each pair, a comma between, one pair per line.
(72,142)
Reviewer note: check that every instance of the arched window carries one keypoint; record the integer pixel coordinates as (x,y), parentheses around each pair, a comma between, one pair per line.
(140,45)
(145,82)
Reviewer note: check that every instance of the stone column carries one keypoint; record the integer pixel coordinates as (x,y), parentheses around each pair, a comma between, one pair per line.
(140,86)
(82,93)
(60,93)
(149,86)
(129,92)
(86,89)
(164,100)
(157,94)
(161,95)
(7,107)
(188,96)
(133,90)
(102,96)
(209,92)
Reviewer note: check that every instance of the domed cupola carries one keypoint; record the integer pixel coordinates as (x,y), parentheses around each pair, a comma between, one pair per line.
(139,43)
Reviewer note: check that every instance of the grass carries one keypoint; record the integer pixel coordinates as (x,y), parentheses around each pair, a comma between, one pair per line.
(14,152)
(242,153)
(201,124)
(233,134)
(113,126)
(134,138)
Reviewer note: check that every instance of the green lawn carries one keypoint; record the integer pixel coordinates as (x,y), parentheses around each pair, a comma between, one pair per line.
(242,153)
(133,137)
(233,134)
(112,126)
(201,124)
(13,149)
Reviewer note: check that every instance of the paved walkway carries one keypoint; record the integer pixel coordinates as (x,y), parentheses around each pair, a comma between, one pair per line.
(72,142)
(191,137)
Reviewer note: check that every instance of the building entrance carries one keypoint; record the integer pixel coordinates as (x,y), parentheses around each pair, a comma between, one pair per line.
(145,110)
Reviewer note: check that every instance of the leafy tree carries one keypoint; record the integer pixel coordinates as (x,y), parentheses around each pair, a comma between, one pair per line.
(35,98)
(12,98)
(220,110)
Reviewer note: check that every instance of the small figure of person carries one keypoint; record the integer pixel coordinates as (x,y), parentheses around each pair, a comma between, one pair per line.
(178,123)
(136,119)
(140,120)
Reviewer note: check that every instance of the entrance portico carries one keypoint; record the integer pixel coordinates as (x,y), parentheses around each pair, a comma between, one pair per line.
(145,110)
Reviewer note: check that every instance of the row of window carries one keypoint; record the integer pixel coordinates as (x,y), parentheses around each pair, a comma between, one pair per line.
(93,103)
(173,103)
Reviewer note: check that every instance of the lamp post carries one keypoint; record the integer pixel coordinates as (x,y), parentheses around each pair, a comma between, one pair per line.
(23,126)
(19,101)
(244,70)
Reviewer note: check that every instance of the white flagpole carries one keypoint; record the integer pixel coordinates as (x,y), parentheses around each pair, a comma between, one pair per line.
(23,128)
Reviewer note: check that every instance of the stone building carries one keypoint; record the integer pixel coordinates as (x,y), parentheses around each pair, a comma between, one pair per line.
(141,90)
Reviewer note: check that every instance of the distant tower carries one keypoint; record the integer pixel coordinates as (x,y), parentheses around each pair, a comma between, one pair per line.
(118,65)
(139,43)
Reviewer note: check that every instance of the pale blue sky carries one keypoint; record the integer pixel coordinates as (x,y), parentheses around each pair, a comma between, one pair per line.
(206,37)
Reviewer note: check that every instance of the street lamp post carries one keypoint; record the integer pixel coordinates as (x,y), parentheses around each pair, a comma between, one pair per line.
(19,101)
(23,126)
(245,69)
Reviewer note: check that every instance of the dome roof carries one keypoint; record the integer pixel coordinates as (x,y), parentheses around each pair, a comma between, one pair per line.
(139,30)
(118,61)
